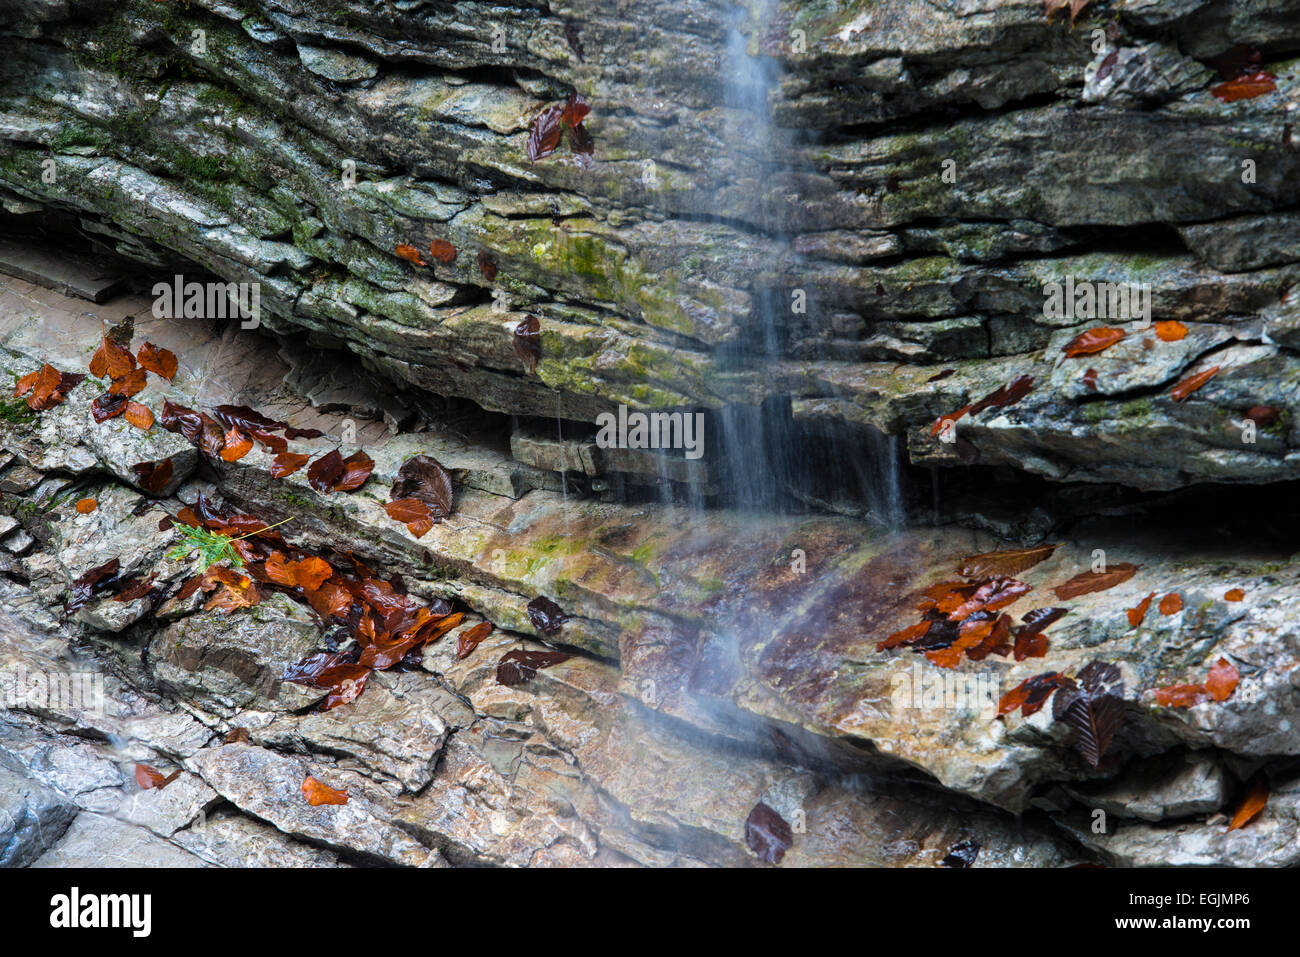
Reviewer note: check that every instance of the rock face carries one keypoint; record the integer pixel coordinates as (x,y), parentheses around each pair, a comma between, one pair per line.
(814,206)
(823,226)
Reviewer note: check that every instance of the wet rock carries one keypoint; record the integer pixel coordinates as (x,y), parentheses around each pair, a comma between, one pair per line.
(32,818)
(1179,787)
(97,841)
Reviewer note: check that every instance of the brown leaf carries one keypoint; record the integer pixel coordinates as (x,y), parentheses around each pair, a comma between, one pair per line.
(422,477)
(153,476)
(487,266)
(130,384)
(1004,563)
(1234,594)
(286,463)
(1255,801)
(412,513)
(107,406)
(325,471)
(1006,395)
(85,506)
(1138,613)
(544,133)
(575,110)
(1193,382)
(442,251)
(520,667)
(1181,696)
(410,254)
(356,469)
(111,360)
(139,416)
(1088,582)
(1032,693)
(546,616)
(317,794)
(161,362)
(1223,680)
(768,834)
(1171,604)
(1092,341)
(149,778)
(471,637)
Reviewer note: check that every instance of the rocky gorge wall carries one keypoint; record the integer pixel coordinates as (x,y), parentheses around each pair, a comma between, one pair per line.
(840,216)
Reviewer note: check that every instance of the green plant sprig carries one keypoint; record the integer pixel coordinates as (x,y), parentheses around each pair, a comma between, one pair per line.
(213,547)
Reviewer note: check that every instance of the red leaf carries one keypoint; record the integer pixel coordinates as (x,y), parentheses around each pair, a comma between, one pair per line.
(129,384)
(546,616)
(1092,341)
(575,110)
(1032,693)
(325,471)
(1245,87)
(1223,680)
(107,406)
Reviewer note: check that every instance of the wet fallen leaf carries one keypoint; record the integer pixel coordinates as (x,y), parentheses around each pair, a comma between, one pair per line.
(1171,604)
(768,834)
(1223,680)
(150,778)
(1193,382)
(139,416)
(107,406)
(1094,707)
(412,513)
(546,616)
(471,637)
(1090,380)
(1245,87)
(161,362)
(576,109)
(1181,696)
(153,476)
(544,133)
(356,469)
(237,445)
(286,463)
(1170,330)
(1004,563)
(487,266)
(325,471)
(410,254)
(317,794)
(111,360)
(237,736)
(85,506)
(1092,341)
(1032,693)
(1137,614)
(130,384)
(1006,395)
(442,251)
(1088,582)
(1263,415)
(423,478)
(1255,801)
(1234,594)
(962,854)
(49,387)
(520,667)
(940,375)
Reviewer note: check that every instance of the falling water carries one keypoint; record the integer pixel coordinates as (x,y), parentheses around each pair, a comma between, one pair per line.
(763,460)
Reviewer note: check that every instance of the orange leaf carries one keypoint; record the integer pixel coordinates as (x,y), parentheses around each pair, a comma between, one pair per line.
(1193,382)
(1223,680)
(286,463)
(111,360)
(442,251)
(237,446)
(1087,582)
(1245,87)
(317,794)
(86,505)
(139,416)
(161,362)
(1091,341)
(1171,604)
(25,384)
(356,469)
(411,512)
(1234,594)
(410,254)
(470,639)
(1181,696)
(1255,801)
(278,571)
(1170,330)
(1136,615)
(310,572)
